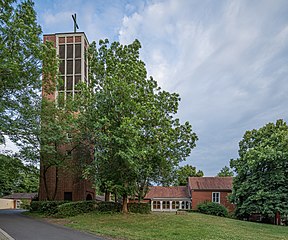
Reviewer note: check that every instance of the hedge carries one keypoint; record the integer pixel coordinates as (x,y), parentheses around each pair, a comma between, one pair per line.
(68,209)
(46,207)
(142,208)
(74,208)
(108,207)
(212,208)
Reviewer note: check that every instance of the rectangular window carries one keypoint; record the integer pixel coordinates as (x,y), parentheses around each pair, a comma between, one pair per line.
(69,137)
(216,197)
(173,205)
(166,204)
(69,83)
(78,66)
(156,205)
(62,51)
(70,51)
(177,205)
(77,79)
(69,67)
(183,205)
(62,67)
(77,50)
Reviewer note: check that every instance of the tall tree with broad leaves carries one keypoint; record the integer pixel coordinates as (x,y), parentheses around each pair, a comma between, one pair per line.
(260,185)
(20,65)
(182,174)
(225,172)
(130,121)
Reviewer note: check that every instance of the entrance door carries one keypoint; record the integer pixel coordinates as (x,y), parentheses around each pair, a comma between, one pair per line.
(67,196)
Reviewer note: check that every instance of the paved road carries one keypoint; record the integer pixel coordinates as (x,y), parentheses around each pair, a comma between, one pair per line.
(21,227)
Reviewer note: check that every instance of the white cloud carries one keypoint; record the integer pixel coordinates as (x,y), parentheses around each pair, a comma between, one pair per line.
(50,18)
(224,59)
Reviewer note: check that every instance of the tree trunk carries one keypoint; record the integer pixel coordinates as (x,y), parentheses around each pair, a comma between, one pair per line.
(115,196)
(56,183)
(107,196)
(45,169)
(125,203)
(142,190)
(277,218)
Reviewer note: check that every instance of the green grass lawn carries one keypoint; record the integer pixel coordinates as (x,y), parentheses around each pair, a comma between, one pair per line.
(171,226)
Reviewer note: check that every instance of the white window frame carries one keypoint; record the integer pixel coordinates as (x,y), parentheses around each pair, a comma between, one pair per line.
(214,197)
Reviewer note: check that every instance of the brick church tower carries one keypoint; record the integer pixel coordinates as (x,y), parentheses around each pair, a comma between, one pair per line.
(73,69)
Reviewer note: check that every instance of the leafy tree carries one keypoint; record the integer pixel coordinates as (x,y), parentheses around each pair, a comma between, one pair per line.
(29,178)
(184,172)
(260,185)
(225,172)
(20,69)
(130,121)
(17,177)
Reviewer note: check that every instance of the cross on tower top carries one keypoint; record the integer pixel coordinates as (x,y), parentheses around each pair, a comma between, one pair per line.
(75,22)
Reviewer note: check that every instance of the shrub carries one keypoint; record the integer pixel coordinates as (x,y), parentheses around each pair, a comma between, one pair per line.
(142,208)
(35,206)
(212,208)
(46,207)
(25,204)
(74,208)
(108,207)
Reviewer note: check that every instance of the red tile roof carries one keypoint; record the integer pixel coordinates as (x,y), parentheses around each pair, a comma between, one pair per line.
(210,183)
(167,192)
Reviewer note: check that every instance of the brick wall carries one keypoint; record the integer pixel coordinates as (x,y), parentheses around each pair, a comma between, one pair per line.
(202,196)
(69,180)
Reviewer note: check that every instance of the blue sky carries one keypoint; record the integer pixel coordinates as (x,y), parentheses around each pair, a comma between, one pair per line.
(228,60)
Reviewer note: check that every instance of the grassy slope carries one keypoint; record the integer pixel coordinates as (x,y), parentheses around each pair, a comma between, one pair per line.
(171,226)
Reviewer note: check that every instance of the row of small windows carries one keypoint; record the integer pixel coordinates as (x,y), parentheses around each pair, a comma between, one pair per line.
(69,51)
(69,82)
(69,66)
(174,205)
(71,70)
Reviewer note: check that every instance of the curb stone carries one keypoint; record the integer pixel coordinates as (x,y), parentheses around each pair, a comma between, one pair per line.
(4,235)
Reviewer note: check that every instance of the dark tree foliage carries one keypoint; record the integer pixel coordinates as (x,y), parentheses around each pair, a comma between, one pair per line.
(17,177)
(260,185)
(184,172)
(225,172)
